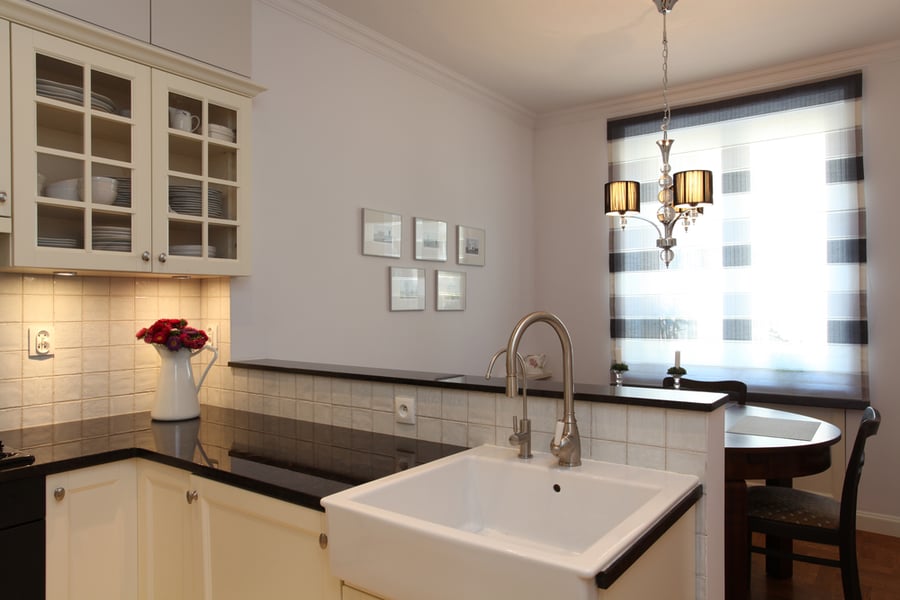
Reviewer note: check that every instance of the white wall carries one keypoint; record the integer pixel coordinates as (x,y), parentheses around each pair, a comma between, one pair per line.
(340,129)
(570,173)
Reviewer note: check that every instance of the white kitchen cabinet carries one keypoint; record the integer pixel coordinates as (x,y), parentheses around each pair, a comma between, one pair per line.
(226,542)
(92,533)
(180,205)
(5,136)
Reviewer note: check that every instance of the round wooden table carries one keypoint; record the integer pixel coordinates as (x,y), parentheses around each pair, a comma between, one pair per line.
(766,453)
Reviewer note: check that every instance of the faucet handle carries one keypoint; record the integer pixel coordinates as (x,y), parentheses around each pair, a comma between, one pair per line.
(515,423)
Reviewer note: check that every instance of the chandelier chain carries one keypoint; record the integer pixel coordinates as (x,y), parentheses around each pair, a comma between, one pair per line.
(665,80)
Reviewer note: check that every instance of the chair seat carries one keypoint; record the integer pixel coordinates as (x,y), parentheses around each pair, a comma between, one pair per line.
(793,507)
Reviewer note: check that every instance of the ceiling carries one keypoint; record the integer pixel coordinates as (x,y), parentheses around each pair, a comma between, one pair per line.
(548,55)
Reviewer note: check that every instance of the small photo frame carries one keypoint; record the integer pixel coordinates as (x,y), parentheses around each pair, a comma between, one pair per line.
(470,246)
(431,239)
(451,290)
(381,233)
(407,288)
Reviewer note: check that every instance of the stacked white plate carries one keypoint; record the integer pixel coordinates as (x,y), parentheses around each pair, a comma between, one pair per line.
(220,132)
(191,250)
(186,200)
(123,191)
(113,238)
(74,94)
(58,242)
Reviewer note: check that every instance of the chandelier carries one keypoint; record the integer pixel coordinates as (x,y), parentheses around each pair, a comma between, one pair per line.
(682,195)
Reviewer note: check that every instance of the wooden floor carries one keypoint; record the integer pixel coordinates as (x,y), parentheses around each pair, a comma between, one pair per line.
(879,572)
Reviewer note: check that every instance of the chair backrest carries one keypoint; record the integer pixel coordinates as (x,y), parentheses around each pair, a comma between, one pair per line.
(868,427)
(736,389)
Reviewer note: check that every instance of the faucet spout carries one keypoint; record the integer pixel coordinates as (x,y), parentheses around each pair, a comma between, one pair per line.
(568,446)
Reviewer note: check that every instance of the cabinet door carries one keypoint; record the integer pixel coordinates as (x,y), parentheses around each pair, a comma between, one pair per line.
(201,178)
(253,546)
(92,532)
(5,138)
(167,559)
(81,132)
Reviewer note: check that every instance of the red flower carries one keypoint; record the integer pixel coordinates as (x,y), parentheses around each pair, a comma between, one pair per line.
(174,334)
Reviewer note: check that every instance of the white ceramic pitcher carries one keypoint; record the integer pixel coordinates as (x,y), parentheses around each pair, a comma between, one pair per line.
(176,394)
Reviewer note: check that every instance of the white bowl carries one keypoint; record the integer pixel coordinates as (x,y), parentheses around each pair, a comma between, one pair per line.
(103,190)
(67,189)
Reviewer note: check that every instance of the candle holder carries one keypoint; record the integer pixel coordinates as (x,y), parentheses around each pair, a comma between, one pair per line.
(618,369)
(676,373)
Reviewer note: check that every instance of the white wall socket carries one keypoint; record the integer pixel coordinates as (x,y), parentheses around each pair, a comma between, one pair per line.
(41,341)
(212,334)
(405,409)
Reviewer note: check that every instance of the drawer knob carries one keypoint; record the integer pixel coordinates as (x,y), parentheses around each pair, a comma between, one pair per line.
(59,493)
(191,496)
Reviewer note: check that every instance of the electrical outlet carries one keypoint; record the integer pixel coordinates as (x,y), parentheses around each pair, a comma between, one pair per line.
(40,341)
(405,409)
(212,333)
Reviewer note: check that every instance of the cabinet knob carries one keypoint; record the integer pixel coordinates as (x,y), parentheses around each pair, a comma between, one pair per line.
(59,493)
(191,496)
(146,256)
(163,257)
(323,541)
(2,196)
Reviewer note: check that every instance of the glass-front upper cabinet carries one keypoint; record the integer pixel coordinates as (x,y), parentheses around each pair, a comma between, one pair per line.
(201,167)
(82,161)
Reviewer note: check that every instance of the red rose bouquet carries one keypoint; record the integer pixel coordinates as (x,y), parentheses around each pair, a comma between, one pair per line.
(174,334)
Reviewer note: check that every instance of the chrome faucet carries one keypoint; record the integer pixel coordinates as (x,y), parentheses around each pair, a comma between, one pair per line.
(566,444)
(521,435)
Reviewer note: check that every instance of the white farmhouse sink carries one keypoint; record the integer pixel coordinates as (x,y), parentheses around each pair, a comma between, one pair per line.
(486,524)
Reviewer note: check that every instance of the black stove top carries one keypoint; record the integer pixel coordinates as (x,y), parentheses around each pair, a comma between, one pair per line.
(10,458)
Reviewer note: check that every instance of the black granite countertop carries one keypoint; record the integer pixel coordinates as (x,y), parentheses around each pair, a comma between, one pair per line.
(635,396)
(291,460)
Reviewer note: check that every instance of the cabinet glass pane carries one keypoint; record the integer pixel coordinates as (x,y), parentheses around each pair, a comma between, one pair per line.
(60,176)
(185,113)
(59,80)
(59,128)
(222,162)
(185,154)
(110,232)
(222,202)
(185,197)
(110,93)
(60,227)
(224,239)
(110,139)
(186,239)
(222,123)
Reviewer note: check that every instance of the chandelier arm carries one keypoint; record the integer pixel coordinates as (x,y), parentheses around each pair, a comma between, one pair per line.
(655,226)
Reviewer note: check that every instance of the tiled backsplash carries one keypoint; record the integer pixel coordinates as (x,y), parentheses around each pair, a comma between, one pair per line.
(98,368)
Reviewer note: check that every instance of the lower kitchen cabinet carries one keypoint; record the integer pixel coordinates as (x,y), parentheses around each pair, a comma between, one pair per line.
(91,521)
(203,539)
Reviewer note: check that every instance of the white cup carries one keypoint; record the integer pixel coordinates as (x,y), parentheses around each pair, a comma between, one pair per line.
(183,120)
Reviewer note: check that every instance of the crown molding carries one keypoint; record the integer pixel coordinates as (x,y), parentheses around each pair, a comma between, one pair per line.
(347,30)
(738,84)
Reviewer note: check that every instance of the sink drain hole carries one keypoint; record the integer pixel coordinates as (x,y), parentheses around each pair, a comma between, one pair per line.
(556,488)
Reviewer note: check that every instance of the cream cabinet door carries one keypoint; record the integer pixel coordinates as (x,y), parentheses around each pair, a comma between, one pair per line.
(254,546)
(5,137)
(168,559)
(201,178)
(92,533)
(81,170)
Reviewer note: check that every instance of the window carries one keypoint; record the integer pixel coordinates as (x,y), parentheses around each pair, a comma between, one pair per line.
(768,286)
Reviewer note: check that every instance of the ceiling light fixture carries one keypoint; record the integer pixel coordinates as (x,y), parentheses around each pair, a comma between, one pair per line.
(682,196)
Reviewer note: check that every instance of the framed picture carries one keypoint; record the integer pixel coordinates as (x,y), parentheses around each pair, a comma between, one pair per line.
(451,290)
(407,288)
(431,239)
(470,246)
(381,233)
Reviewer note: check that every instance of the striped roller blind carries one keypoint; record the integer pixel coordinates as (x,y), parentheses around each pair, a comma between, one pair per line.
(769,285)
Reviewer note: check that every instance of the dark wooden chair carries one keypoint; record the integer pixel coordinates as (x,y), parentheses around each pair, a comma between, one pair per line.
(736,389)
(795,514)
